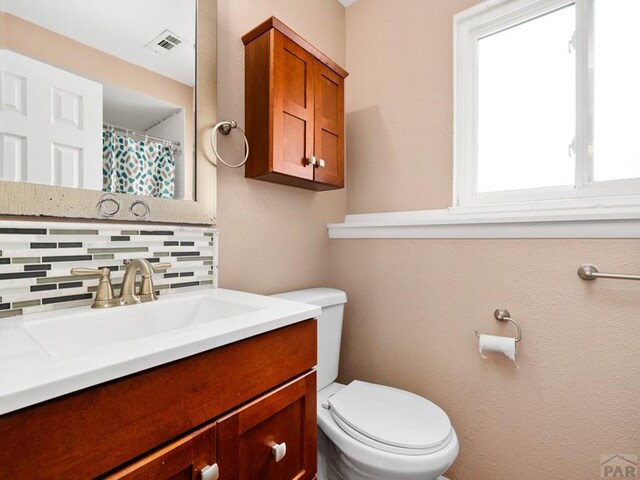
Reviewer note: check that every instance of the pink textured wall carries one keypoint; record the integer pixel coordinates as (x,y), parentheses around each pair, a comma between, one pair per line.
(399,104)
(414,304)
(272,237)
(413,307)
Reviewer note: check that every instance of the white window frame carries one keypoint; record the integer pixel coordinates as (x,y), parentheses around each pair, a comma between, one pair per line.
(591,210)
(487,18)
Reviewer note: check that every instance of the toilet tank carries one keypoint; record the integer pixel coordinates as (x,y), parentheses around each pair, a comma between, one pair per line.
(332,301)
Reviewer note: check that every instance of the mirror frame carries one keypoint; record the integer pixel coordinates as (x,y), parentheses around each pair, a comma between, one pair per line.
(33,200)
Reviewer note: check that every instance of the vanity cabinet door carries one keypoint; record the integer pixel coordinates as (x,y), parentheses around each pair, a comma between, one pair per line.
(285,419)
(184,459)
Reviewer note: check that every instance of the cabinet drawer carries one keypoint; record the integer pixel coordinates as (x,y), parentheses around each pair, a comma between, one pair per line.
(183,459)
(286,416)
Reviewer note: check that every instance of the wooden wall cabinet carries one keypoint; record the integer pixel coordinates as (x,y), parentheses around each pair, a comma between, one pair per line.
(294,110)
(224,409)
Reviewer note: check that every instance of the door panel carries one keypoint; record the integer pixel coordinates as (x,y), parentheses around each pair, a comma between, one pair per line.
(51,125)
(327,98)
(66,166)
(329,151)
(294,139)
(293,108)
(329,125)
(13,157)
(256,444)
(246,438)
(295,77)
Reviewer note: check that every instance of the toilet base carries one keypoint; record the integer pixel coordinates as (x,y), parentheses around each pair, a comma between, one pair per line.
(334,466)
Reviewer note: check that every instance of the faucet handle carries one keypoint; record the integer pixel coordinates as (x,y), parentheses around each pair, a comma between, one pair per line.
(104,293)
(146,292)
(161,267)
(84,271)
(156,267)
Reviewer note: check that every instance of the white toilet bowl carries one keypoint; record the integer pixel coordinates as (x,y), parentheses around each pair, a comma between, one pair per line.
(342,457)
(368,431)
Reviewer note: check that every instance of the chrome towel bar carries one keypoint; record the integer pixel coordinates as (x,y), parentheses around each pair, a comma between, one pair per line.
(590,272)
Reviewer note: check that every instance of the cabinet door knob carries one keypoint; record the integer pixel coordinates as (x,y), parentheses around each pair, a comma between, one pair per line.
(320,163)
(279,450)
(210,472)
(312,161)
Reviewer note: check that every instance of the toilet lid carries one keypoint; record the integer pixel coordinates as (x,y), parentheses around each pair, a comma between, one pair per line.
(390,419)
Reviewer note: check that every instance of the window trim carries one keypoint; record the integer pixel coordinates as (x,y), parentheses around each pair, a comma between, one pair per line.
(593,218)
(490,17)
(606,212)
(622,221)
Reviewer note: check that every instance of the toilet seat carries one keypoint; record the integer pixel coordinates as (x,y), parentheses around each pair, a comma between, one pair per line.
(390,419)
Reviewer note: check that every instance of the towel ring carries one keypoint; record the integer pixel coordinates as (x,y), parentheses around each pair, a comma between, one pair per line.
(503,315)
(225,128)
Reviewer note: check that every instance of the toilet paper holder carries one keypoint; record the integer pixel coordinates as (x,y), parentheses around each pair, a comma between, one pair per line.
(503,315)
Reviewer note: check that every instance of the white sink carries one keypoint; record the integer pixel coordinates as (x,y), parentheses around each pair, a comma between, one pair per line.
(84,330)
(49,354)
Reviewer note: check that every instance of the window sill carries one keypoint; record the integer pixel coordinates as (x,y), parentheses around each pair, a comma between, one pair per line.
(601,218)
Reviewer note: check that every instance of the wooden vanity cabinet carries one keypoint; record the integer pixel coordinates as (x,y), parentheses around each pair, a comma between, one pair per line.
(294,110)
(240,446)
(226,406)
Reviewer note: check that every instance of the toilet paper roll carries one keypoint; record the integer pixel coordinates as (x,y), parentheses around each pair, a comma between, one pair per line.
(493,343)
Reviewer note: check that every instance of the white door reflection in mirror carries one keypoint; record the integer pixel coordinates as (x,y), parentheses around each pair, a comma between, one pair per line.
(51,124)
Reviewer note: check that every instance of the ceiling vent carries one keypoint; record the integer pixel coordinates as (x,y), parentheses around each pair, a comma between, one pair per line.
(166,42)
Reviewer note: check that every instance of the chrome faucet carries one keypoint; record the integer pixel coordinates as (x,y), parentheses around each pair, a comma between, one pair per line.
(128,295)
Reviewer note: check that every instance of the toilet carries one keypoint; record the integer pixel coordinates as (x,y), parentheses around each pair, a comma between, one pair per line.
(369,431)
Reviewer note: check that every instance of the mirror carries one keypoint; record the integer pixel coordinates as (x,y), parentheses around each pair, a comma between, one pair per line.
(99,95)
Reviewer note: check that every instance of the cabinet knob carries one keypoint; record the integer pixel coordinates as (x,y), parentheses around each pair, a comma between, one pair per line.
(320,164)
(279,450)
(210,472)
(312,161)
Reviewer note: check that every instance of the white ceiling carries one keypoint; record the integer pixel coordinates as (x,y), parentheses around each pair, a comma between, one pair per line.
(121,28)
(124,108)
(347,3)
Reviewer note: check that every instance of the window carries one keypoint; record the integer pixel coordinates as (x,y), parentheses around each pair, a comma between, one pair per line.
(547,102)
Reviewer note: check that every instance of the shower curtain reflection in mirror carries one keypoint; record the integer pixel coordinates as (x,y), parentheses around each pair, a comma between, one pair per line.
(138,166)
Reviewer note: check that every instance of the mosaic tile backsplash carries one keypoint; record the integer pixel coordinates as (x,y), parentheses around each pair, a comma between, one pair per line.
(36,257)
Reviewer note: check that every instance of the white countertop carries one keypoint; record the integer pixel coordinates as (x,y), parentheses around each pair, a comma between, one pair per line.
(31,373)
